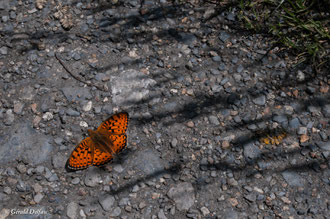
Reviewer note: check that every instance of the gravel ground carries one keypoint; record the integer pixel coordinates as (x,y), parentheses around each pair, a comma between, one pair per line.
(200,91)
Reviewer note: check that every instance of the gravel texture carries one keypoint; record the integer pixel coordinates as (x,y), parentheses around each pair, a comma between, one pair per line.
(198,89)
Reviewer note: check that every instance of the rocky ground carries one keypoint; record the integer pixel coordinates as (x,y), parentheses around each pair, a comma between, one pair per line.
(201,93)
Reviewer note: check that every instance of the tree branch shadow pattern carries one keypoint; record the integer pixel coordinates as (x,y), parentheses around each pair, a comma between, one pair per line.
(201,104)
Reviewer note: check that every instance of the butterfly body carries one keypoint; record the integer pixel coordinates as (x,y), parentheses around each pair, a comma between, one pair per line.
(101,145)
(101,139)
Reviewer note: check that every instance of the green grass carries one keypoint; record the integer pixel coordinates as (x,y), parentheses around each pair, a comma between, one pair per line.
(299,26)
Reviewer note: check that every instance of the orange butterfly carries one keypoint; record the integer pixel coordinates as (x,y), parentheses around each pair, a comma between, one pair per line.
(101,145)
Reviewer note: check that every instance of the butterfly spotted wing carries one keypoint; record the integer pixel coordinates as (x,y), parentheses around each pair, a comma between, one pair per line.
(89,152)
(82,156)
(101,157)
(116,127)
(116,124)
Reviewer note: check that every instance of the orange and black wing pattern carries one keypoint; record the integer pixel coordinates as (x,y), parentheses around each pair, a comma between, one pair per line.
(82,156)
(101,157)
(88,152)
(116,124)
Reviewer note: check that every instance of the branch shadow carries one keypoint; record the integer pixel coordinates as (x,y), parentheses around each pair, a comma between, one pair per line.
(200,105)
(173,169)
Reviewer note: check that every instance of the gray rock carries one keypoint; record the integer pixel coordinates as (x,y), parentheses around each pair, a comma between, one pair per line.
(325,146)
(225,112)
(130,87)
(116,212)
(261,51)
(107,108)
(183,195)
(263,165)
(235,60)
(174,142)
(302,131)
(324,136)
(293,178)
(10,171)
(72,210)
(261,100)
(230,214)
(326,110)
(124,201)
(118,168)
(38,197)
(21,186)
(147,161)
(92,177)
(9,117)
(208,13)
(222,67)
(216,59)
(12,14)
(4,197)
(87,106)
(18,107)
(59,160)
(4,50)
(216,88)
(75,181)
(107,202)
(215,72)
(5,18)
(251,197)
(4,4)
(47,116)
(313,109)
(99,76)
(214,120)
(72,112)
(58,140)
(224,36)
(40,169)
(97,109)
(280,118)
(161,214)
(22,137)
(294,123)
(237,119)
(76,93)
(135,188)
(300,76)
(187,38)
(53,177)
(171,106)
(21,168)
(251,151)
(6,190)
(231,16)
(239,69)
(252,127)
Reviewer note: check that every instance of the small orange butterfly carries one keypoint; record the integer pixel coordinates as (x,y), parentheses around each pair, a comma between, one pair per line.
(101,145)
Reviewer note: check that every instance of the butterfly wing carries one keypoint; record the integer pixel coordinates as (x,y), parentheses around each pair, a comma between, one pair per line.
(115,124)
(89,152)
(82,156)
(102,157)
(118,142)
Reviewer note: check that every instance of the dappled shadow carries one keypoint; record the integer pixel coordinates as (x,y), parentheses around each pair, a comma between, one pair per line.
(249,168)
(195,106)
(173,169)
